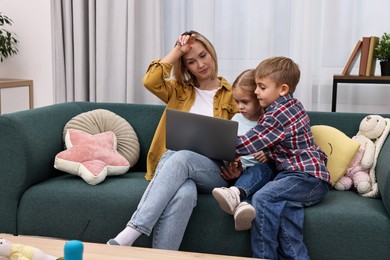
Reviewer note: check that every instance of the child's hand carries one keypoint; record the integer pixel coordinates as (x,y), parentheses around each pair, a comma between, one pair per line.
(261,157)
(231,170)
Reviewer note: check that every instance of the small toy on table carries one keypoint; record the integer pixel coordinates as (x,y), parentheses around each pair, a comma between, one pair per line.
(73,250)
(12,251)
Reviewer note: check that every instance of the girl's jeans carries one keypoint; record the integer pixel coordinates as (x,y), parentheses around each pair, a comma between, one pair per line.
(171,195)
(277,231)
(255,177)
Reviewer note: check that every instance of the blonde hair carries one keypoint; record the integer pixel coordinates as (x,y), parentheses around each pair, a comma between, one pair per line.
(180,72)
(246,82)
(281,70)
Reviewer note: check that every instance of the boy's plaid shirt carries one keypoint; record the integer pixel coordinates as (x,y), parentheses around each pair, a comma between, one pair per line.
(284,134)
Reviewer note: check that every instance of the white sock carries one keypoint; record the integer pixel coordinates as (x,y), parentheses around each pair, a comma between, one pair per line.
(127,236)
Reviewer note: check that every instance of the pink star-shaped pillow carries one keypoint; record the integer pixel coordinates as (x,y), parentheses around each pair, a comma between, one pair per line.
(92,157)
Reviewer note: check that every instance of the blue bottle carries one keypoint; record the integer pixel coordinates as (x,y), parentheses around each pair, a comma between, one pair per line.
(73,250)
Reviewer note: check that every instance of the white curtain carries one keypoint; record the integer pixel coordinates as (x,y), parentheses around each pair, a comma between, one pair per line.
(112,49)
(103,47)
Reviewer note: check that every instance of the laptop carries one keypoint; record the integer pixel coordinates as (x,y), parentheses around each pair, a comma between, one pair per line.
(212,137)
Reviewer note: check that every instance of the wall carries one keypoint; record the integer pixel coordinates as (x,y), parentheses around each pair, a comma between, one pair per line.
(32,25)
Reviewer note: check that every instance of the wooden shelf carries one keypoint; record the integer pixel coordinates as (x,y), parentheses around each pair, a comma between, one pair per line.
(357,80)
(16,83)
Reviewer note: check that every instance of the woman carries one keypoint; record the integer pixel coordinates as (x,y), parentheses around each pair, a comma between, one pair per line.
(177,176)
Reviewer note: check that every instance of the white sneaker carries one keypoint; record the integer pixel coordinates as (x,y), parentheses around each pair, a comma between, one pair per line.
(243,216)
(227,198)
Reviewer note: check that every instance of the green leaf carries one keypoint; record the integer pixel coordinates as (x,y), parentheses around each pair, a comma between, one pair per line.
(8,41)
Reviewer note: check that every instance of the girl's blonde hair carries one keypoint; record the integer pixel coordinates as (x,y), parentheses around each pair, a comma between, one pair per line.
(246,82)
(180,72)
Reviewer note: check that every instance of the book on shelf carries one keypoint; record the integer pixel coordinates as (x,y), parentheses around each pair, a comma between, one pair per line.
(364,56)
(371,60)
(352,59)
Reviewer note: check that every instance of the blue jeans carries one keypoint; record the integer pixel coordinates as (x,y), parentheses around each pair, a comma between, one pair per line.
(277,232)
(168,201)
(255,177)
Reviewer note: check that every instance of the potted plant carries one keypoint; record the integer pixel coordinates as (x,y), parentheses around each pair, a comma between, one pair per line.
(8,41)
(382,53)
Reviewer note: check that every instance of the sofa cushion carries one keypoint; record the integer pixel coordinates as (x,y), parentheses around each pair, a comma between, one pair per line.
(92,157)
(67,207)
(102,211)
(339,148)
(354,227)
(102,120)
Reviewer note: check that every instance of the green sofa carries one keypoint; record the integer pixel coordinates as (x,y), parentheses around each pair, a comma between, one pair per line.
(36,199)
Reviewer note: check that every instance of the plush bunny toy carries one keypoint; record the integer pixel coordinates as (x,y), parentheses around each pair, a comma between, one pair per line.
(22,252)
(358,172)
(373,131)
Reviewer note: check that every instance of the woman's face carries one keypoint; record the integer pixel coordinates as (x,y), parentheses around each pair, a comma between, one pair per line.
(199,62)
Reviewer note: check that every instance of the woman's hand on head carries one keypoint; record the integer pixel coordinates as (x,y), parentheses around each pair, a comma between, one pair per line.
(183,45)
(231,170)
(185,42)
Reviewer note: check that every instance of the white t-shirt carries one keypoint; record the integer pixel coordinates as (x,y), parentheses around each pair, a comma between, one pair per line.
(244,125)
(204,102)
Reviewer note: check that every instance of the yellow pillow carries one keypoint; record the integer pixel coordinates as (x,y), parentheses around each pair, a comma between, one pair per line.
(339,148)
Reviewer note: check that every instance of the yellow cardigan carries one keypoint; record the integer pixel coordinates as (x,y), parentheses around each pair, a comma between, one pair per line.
(179,97)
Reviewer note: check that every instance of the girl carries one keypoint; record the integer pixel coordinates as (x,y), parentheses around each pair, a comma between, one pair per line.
(255,171)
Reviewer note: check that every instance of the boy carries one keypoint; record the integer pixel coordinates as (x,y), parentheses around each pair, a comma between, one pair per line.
(302,178)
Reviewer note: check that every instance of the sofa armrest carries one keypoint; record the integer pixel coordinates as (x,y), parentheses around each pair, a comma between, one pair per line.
(29,141)
(382,172)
